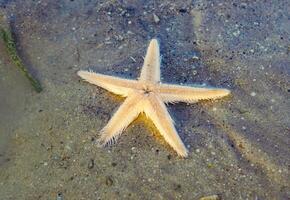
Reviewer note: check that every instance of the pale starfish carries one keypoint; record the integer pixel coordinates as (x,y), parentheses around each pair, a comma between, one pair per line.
(148,95)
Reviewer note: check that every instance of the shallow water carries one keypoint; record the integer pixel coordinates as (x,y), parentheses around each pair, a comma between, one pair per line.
(238,146)
(14,91)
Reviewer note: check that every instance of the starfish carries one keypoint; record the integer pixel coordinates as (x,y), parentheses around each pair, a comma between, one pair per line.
(148,95)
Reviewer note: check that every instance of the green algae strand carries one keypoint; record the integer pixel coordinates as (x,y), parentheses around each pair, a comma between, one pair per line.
(12,52)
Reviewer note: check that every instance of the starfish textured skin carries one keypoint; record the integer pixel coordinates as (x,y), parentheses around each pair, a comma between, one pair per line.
(148,95)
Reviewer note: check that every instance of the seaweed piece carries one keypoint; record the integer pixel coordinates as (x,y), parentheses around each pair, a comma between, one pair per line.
(11,49)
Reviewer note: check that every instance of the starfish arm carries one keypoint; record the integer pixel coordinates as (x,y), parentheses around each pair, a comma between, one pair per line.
(113,84)
(157,112)
(175,93)
(126,113)
(151,68)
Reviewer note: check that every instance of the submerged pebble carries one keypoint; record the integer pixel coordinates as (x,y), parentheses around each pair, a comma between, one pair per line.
(109,181)
(211,197)
(59,196)
(156,18)
(91,164)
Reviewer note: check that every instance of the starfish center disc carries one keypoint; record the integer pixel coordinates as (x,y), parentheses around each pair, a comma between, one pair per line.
(147,89)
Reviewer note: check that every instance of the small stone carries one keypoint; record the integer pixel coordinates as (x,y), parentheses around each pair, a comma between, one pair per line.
(177,187)
(109,181)
(194,72)
(156,18)
(63,164)
(236,33)
(211,197)
(253,94)
(195,57)
(182,10)
(133,59)
(210,165)
(91,164)
(59,196)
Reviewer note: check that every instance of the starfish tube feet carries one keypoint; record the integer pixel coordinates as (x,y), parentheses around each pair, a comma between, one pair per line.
(151,67)
(175,93)
(121,119)
(156,110)
(116,85)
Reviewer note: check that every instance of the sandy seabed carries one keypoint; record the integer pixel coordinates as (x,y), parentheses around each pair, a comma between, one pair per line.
(238,146)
